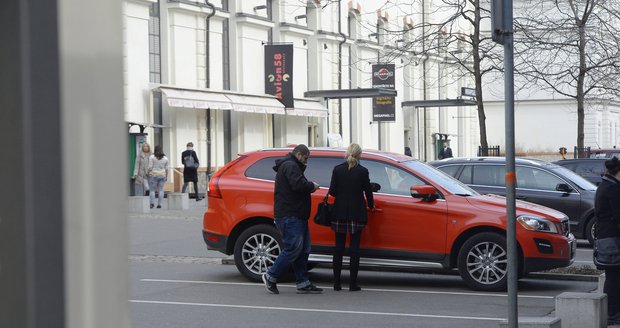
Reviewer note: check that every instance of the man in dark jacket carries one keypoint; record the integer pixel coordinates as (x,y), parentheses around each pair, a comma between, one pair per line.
(189,159)
(291,212)
(446,152)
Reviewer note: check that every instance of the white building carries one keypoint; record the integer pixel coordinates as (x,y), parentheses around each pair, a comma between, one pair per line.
(195,72)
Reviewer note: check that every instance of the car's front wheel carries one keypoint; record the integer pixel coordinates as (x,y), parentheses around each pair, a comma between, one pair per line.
(591,230)
(483,262)
(256,249)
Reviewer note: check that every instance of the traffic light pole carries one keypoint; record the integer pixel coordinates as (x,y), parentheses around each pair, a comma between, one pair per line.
(502,33)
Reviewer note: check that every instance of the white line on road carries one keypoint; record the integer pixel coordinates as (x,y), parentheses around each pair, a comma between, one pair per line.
(365,289)
(318,310)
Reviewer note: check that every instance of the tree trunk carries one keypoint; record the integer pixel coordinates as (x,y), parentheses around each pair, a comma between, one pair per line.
(478,78)
(580,87)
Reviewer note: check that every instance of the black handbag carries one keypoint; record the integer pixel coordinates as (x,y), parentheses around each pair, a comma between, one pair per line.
(607,253)
(323,214)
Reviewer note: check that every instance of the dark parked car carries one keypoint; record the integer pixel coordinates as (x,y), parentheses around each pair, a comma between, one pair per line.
(538,182)
(592,169)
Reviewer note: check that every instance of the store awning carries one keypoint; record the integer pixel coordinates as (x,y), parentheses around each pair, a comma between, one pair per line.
(196,99)
(308,108)
(203,99)
(256,104)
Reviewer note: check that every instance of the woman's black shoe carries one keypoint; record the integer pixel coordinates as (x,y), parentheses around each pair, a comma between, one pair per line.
(337,287)
(354,288)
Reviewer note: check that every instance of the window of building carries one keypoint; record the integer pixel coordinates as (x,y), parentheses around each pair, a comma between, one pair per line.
(154,44)
(158,137)
(226,54)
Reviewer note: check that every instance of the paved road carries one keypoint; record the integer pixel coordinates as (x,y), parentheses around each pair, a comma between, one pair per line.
(177,283)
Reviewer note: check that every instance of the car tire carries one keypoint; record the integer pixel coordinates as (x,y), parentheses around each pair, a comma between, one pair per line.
(591,230)
(256,249)
(483,262)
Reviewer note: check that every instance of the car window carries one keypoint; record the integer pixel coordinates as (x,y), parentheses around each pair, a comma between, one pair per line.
(589,169)
(439,177)
(533,178)
(320,169)
(263,169)
(393,180)
(575,178)
(466,174)
(450,169)
(489,175)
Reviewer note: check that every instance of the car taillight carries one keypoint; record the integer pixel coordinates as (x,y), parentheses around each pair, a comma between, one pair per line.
(214,183)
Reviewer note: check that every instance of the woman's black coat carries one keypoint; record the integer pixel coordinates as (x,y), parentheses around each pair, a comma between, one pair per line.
(189,173)
(607,207)
(348,187)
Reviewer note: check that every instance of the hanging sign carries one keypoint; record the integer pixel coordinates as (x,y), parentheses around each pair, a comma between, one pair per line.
(279,72)
(384,107)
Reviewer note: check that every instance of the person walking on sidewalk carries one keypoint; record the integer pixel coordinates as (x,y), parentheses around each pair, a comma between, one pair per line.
(190,169)
(291,213)
(158,174)
(140,170)
(350,181)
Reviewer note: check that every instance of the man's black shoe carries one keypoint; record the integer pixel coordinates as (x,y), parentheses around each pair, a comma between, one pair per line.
(310,289)
(270,286)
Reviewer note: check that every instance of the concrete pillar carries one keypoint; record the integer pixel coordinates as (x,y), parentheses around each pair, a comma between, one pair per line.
(579,310)
(178,201)
(601,283)
(139,204)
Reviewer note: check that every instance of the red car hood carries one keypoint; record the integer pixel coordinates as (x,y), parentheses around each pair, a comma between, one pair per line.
(498,203)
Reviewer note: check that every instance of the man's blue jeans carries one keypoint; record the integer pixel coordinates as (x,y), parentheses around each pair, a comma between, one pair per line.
(295,251)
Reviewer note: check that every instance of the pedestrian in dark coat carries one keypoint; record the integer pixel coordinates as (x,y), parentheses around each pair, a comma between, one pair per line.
(607,210)
(190,162)
(291,210)
(350,182)
(445,152)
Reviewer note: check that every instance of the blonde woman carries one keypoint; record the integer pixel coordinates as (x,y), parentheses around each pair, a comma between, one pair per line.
(140,170)
(350,181)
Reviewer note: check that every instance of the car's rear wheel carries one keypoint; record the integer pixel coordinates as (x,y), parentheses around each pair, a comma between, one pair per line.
(483,262)
(256,249)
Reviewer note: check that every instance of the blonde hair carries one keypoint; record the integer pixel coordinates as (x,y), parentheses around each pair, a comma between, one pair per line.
(353,155)
(145,144)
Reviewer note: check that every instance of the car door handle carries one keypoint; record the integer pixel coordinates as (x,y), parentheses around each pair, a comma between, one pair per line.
(520,197)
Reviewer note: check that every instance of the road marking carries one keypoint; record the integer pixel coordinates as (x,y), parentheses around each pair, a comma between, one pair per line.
(392,314)
(365,289)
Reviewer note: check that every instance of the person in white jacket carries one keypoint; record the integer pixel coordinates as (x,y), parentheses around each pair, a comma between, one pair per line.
(140,170)
(158,174)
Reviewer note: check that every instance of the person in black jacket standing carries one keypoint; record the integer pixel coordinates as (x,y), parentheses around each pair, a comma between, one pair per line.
(291,212)
(190,170)
(350,181)
(607,209)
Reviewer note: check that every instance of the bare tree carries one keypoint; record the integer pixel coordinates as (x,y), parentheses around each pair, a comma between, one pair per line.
(570,48)
(454,36)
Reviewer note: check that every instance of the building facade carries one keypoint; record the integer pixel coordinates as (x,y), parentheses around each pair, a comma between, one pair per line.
(194,71)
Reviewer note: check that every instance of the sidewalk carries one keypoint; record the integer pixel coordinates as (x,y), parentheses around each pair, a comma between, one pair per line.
(196,210)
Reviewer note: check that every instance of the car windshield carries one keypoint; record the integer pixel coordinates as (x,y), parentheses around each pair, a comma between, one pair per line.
(446,181)
(573,177)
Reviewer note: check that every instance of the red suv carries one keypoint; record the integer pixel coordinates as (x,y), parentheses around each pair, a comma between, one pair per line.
(425,219)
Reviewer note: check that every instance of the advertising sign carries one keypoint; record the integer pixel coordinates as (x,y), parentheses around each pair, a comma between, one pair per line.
(279,72)
(383,108)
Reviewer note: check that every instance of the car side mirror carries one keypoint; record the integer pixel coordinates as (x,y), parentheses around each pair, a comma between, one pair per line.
(375,186)
(563,187)
(426,192)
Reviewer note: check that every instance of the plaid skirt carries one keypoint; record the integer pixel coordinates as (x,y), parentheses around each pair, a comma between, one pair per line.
(344,226)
